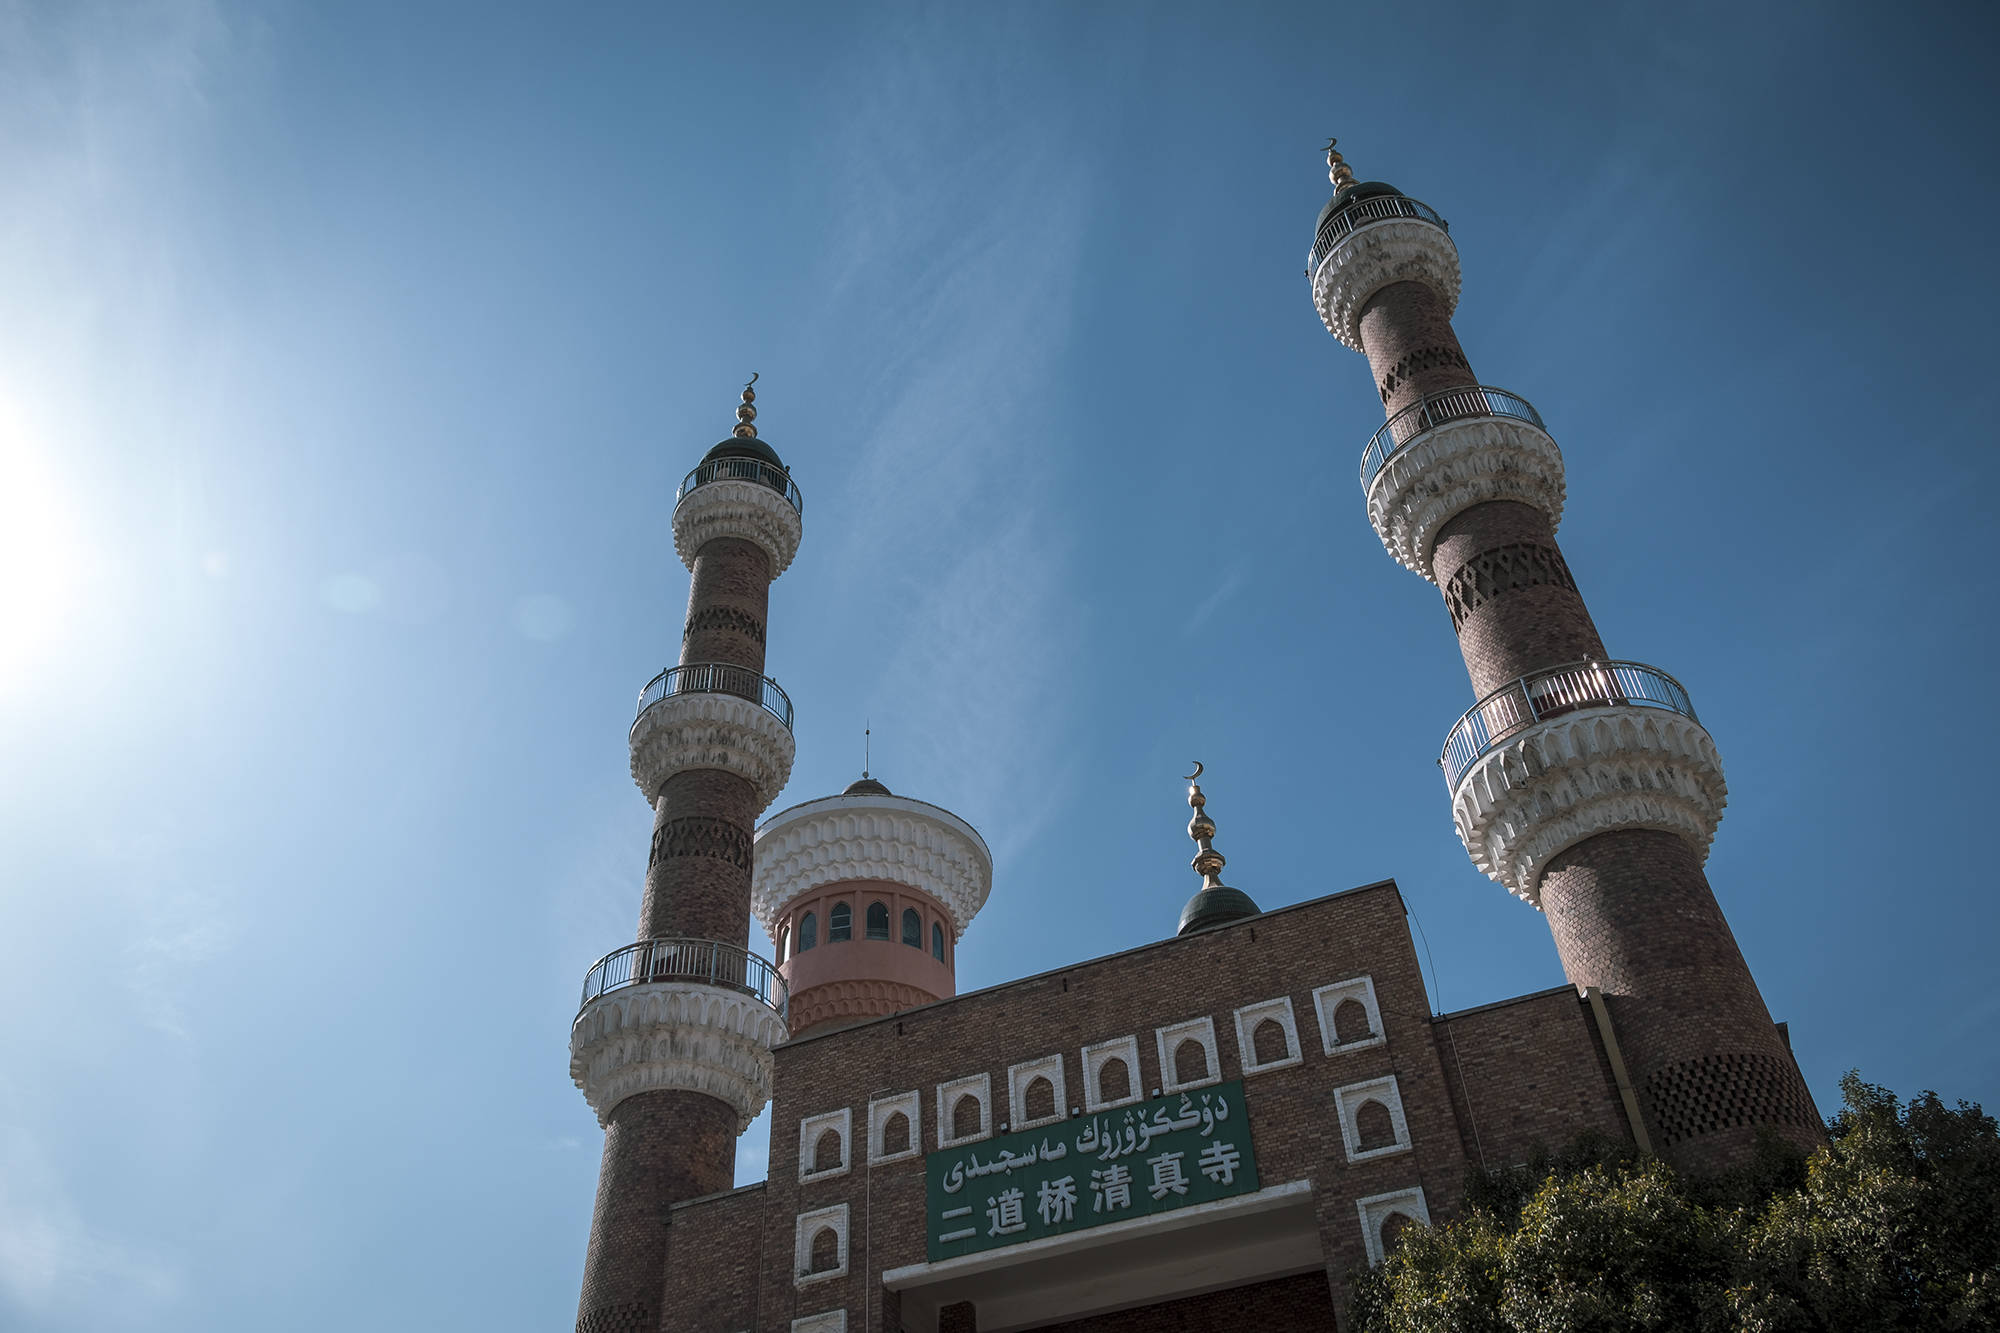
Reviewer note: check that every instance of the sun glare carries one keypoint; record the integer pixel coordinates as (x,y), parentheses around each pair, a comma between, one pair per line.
(41,557)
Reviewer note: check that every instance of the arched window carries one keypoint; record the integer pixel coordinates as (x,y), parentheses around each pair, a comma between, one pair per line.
(1114,1081)
(1350,1022)
(808,931)
(913,928)
(826,1152)
(1393,1227)
(965,1117)
(825,1251)
(840,923)
(1039,1102)
(896,1134)
(1190,1062)
(1269,1043)
(878,921)
(1373,1127)
(937,941)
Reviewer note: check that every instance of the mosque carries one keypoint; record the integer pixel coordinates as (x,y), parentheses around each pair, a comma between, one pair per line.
(1206,1132)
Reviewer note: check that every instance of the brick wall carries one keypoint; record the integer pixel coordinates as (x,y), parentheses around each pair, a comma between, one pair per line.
(1527,1073)
(1295,1133)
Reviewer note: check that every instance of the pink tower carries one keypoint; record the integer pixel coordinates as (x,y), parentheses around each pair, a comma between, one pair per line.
(866,894)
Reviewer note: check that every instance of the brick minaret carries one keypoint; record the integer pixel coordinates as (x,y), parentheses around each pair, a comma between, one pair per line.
(1585,785)
(672,1047)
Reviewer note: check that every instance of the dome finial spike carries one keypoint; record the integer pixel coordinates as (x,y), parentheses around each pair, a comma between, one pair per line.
(746,415)
(1207,861)
(1337,170)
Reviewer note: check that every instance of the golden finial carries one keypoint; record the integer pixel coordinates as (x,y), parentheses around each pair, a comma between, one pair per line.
(746,415)
(1337,169)
(1207,861)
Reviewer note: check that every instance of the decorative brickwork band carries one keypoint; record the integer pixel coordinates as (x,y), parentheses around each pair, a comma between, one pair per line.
(1501,570)
(680,1036)
(711,730)
(725,618)
(696,835)
(619,1319)
(1416,363)
(1370,258)
(1714,1092)
(854,999)
(889,838)
(1564,779)
(1450,468)
(731,507)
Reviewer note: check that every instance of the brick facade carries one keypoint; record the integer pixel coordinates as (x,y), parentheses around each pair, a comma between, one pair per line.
(1530,1069)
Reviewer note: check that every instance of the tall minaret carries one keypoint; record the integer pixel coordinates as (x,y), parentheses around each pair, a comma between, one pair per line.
(672,1047)
(1585,785)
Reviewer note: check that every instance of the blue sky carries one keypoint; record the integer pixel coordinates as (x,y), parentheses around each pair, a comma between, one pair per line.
(352,354)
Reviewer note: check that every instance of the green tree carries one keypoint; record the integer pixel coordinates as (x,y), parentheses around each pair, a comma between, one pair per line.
(1891,1226)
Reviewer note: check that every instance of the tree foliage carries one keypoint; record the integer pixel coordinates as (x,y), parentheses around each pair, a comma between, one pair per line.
(1893,1225)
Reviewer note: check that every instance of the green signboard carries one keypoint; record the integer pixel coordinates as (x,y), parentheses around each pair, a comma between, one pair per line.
(1150,1157)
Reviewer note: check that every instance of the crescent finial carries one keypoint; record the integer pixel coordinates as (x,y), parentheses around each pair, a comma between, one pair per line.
(1197,771)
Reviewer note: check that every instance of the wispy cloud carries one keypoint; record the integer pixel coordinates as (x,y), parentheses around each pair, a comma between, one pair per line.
(949,503)
(51,1259)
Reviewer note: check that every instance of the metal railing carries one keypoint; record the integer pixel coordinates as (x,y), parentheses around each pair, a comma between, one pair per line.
(710,962)
(743,469)
(1551,693)
(1362,212)
(717,678)
(1473,400)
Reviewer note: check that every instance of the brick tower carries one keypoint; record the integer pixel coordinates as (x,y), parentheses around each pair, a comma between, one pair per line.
(1585,785)
(672,1047)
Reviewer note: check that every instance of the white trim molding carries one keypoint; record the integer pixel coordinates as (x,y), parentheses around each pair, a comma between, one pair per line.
(879,1111)
(1247,1019)
(805,1230)
(1564,779)
(1169,1039)
(1328,999)
(811,1129)
(676,1036)
(1371,257)
(737,507)
(1348,1102)
(1453,466)
(826,1321)
(890,838)
(1020,1076)
(981,1087)
(1377,1209)
(699,729)
(1095,1057)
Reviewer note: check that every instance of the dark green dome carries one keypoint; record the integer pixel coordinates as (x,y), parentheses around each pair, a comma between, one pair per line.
(737,446)
(1353,194)
(866,786)
(1215,907)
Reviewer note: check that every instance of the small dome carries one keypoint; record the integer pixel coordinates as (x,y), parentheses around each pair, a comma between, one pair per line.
(865,786)
(1215,907)
(737,446)
(1353,194)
